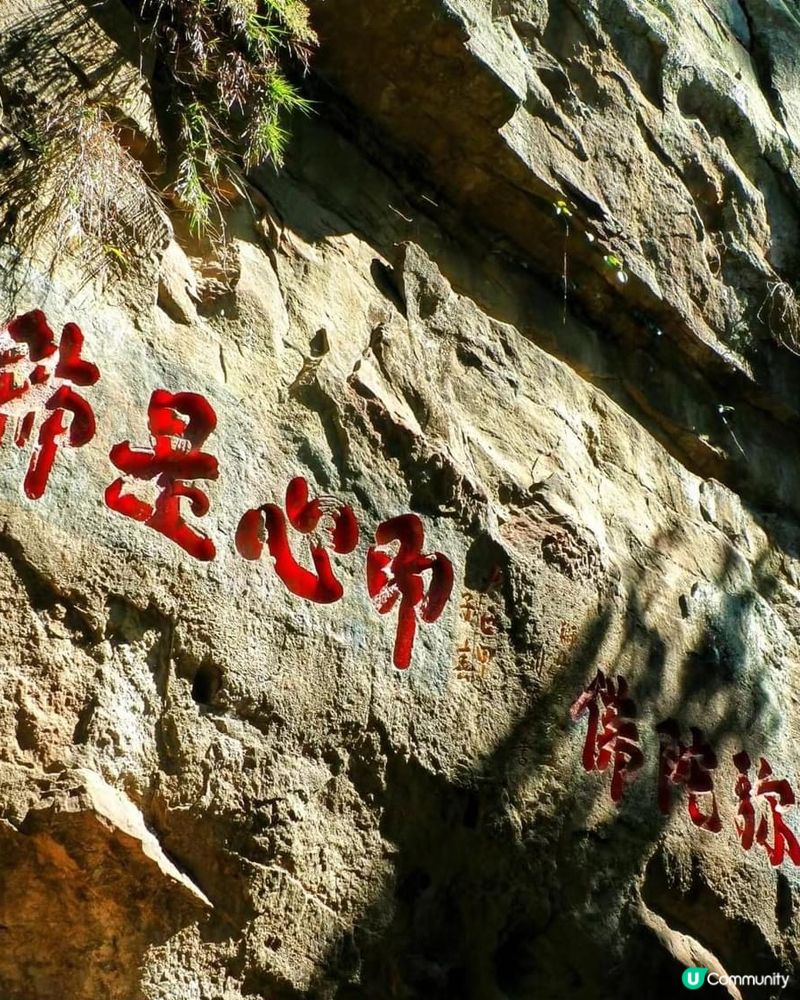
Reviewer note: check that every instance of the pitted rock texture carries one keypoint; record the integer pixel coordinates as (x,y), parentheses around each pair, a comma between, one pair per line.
(210,788)
(671,130)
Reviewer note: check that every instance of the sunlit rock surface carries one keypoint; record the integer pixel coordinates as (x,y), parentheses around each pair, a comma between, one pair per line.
(211,787)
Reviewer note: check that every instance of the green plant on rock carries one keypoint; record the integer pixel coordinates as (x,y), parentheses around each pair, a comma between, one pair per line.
(224,66)
(562,208)
(565,212)
(780,313)
(615,263)
(69,181)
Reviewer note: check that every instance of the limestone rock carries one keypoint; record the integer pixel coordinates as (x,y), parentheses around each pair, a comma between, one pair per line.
(82,873)
(213,787)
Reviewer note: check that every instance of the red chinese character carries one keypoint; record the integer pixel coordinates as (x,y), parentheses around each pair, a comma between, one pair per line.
(777,793)
(179,424)
(612,735)
(691,766)
(311,517)
(392,577)
(37,375)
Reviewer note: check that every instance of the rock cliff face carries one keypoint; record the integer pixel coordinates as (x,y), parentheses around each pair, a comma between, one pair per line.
(215,781)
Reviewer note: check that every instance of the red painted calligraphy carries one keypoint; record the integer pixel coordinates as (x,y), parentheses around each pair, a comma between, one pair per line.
(328,523)
(612,734)
(399,577)
(179,425)
(37,376)
(689,765)
(777,794)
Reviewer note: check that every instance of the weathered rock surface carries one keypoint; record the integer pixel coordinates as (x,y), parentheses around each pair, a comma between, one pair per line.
(81,866)
(211,788)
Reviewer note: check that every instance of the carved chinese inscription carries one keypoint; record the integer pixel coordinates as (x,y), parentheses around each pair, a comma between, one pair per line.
(612,737)
(759,816)
(179,425)
(159,486)
(397,577)
(691,765)
(477,645)
(326,521)
(37,378)
(567,637)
